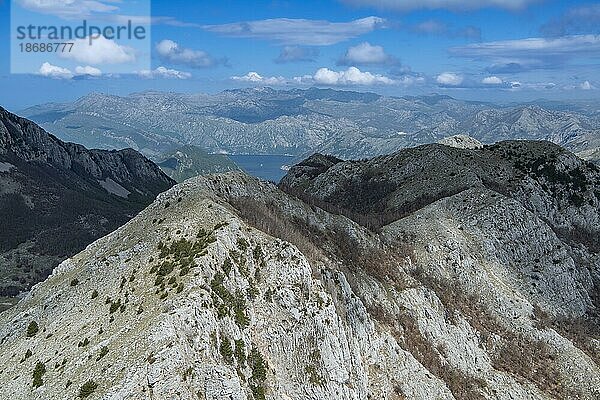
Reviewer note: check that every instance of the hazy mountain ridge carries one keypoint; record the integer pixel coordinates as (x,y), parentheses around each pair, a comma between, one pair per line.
(267,121)
(227,287)
(57,197)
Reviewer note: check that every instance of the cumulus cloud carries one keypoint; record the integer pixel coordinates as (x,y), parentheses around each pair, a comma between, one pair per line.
(88,70)
(491,80)
(449,79)
(101,51)
(299,31)
(351,76)
(323,76)
(171,52)
(57,72)
(297,54)
(366,54)
(586,86)
(455,5)
(256,78)
(163,72)
(54,71)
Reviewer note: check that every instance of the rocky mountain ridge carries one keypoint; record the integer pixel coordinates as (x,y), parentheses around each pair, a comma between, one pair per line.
(228,288)
(57,197)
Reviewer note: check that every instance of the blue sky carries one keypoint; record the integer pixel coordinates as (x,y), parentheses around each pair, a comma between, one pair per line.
(495,50)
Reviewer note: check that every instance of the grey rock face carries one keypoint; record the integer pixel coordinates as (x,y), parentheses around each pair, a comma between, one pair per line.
(461,142)
(57,197)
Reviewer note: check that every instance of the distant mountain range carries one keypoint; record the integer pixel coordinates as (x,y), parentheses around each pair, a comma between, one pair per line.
(349,125)
(57,197)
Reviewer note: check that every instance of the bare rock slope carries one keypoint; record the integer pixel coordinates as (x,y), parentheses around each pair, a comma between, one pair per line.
(228,288)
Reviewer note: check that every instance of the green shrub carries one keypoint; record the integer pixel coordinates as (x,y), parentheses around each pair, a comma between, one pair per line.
(87,389)
(242,244)
(239,307)
(114,306)
(257,253)
(94,294)
(240,352)
(313,375)
(220,225)
(165,268)
(187,373)
(74,282)
(103,352)
(259,374)
(32,329)
(226,351)
(269,295)
(258,365)
(227,265)
(38,372)
(258,392)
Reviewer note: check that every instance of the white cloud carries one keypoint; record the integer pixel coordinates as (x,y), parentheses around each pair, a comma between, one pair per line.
(364,54)
(171,52)
(255,77)
(491,80)
(586,86)
(162,72)
(87,70)
(299,31)
(351,76)
(566,45)
(68,9)
(325,76)
(100,51)
(449,79)
(519,55)
(407,5)
(54,71)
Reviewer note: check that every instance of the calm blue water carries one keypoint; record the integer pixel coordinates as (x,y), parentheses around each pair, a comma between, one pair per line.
(263,166)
